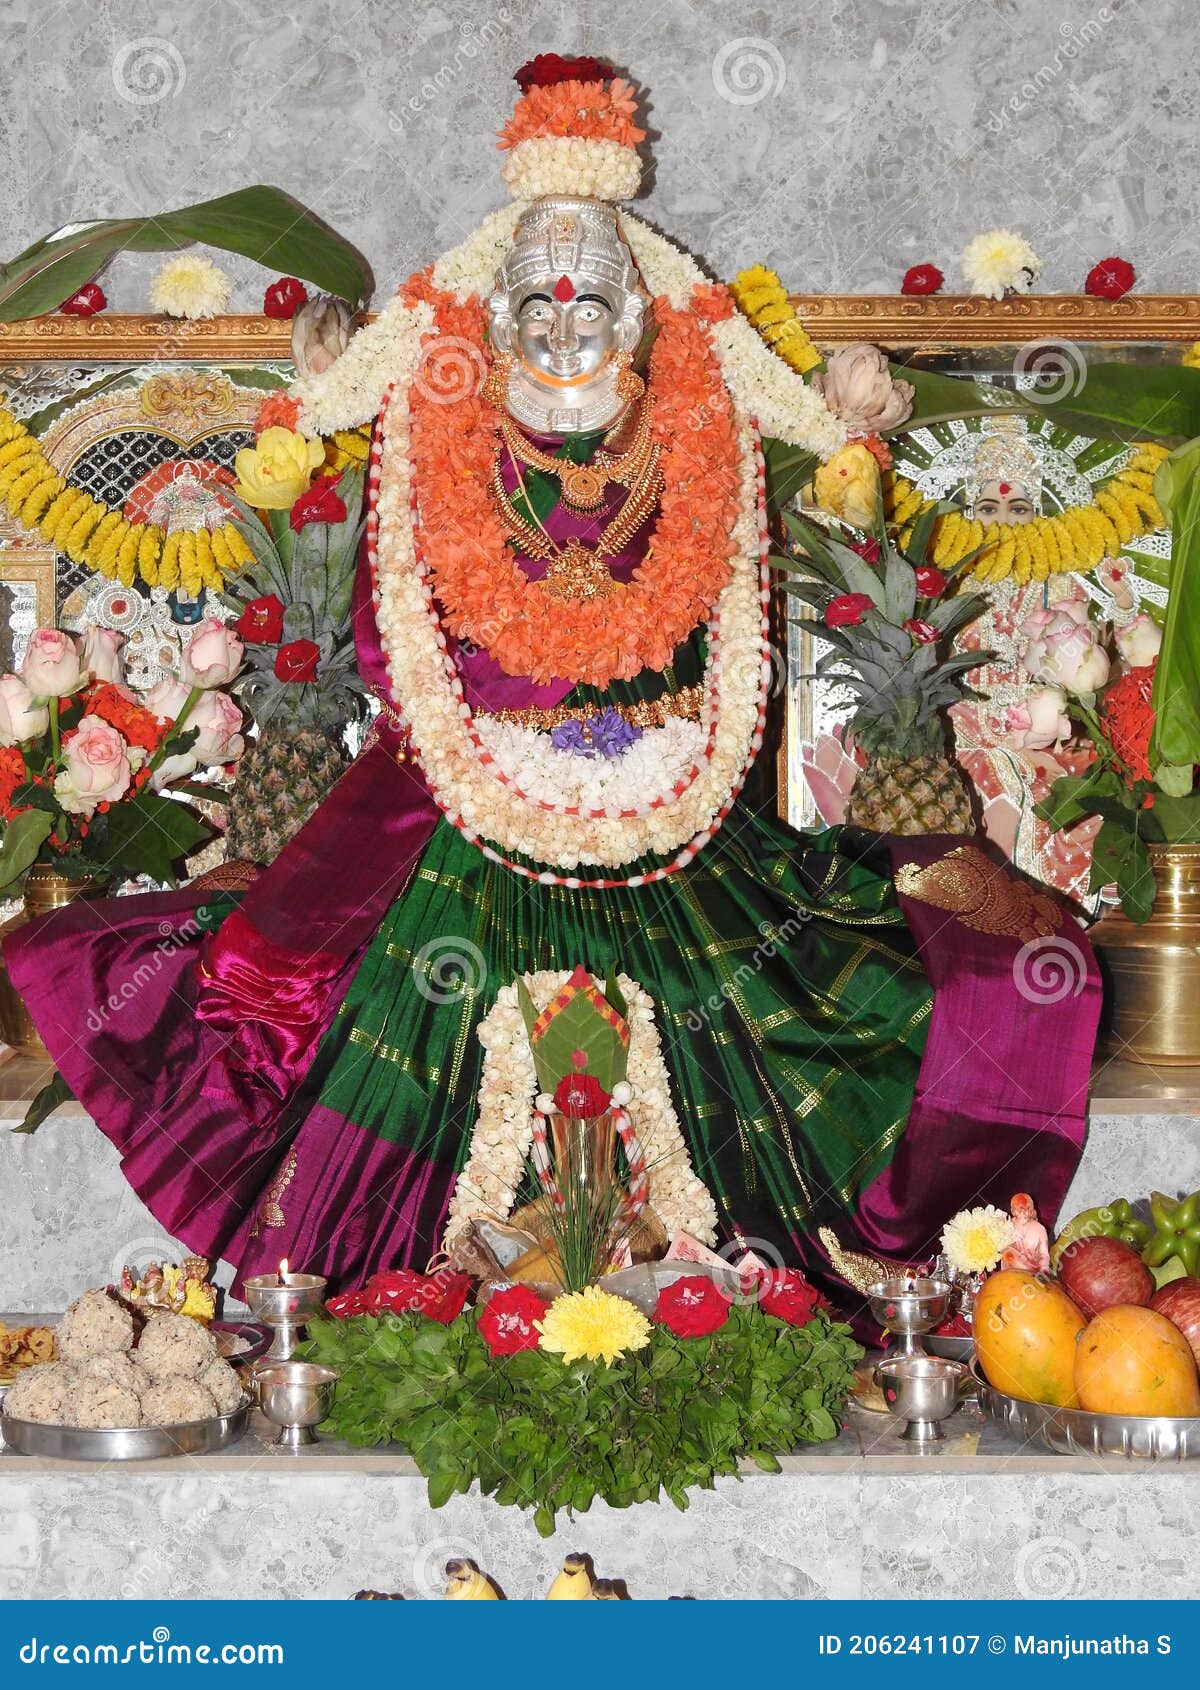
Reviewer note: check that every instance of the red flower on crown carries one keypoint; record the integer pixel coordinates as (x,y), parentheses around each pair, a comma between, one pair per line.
(548,68)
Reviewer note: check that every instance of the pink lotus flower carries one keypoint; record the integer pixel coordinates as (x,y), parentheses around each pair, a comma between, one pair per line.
(97,767)
(51,665)
(1039,721)
(213,655)
(21,717)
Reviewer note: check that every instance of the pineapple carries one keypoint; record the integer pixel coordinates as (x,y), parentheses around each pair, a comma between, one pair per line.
(300,746)
(891,624)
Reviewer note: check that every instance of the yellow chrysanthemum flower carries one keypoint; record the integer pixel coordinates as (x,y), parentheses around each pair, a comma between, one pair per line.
(975,1239)
(592,1325)
(190,286)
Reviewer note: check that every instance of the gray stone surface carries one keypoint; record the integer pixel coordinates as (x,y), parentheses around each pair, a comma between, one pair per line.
(839,143)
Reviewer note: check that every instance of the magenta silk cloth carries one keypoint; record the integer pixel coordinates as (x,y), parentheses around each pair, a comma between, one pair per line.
(999,1085)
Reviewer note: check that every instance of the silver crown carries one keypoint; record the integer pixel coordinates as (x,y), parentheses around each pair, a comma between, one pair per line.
(1005,452)
(566,236)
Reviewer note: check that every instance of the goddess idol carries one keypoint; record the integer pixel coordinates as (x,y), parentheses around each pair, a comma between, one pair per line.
(563,614)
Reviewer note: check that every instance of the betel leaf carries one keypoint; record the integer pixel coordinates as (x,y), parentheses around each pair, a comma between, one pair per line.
(1175,695)
(44,1103)
(261,223)
(148,834)
(23,839)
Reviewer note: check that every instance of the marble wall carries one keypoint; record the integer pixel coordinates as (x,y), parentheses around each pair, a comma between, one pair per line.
(840,142)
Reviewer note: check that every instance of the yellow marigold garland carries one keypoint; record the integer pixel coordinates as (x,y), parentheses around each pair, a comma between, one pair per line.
(98,538)
(1074,539)
(762,297)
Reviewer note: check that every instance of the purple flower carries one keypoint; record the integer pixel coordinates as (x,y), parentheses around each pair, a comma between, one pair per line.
(569,736)
(606,734)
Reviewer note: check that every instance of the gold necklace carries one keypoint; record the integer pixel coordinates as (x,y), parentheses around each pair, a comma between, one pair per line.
(582,485)
(577,570)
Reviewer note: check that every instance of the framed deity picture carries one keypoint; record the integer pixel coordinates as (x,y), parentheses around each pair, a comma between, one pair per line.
(146,415)
(1018,469)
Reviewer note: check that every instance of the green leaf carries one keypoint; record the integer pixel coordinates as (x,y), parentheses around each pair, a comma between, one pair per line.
(787,469)
(1175,695)
(262,223)
(1175,779)
(24,837)
(44,1103)
(149,834)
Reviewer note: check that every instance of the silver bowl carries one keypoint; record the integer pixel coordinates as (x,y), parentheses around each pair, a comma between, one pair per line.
(1077,1431)
(907,1305)
(286,1307)
(295,1396)
(923,1390)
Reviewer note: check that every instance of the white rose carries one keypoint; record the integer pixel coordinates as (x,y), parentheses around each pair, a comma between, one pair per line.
(1139,641)
(21,717)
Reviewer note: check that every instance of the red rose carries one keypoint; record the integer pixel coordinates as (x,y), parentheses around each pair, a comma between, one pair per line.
(86,302)
(548,68)
(506,1325)
(284,297)
(581,1096)
(438,1296)
(922,278)
(867,548)
(786,1294)
(320,504)
(1109,279)
(297,661)
(923,632)
(692,1307)
(261,623)
(847,610)
(349,1304)
(930,581)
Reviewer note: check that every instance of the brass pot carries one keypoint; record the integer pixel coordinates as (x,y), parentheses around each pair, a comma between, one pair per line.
(45,890)
(1152,970)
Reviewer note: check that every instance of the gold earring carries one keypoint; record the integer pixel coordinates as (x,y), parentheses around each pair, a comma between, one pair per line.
(495,387)
(629,385)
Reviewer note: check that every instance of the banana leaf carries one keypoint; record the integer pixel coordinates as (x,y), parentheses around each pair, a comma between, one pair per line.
(1122,402)
(262,223)
(1176,692)
(787,468)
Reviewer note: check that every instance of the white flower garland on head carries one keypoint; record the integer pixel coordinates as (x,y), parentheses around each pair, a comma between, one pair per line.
(585,167)
(503,1136)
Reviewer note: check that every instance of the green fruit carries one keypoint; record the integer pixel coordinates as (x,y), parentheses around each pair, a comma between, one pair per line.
(1176,1232)
(1171,1269)
(1111,1220)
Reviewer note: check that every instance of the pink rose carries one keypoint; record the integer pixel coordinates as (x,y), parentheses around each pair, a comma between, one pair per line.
(1039,721)
(1064,649)
(213,655)
(102,655)
(166,699)
(97,767)
(219,721)
(51,666)
(1139,641)
(21,717)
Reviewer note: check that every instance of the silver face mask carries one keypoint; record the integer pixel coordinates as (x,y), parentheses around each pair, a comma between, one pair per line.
(568,304)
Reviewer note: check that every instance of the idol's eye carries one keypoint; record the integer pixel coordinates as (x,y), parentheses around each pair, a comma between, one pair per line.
(986,507)
(536,313)
(1021,507)
(588,314)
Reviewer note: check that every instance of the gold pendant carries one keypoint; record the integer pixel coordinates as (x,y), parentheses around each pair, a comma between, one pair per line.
(581,486)
(579,573)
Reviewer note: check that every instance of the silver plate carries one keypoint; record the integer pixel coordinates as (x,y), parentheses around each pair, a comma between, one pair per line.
(955,1348)
(1074,1431)
(135,1443)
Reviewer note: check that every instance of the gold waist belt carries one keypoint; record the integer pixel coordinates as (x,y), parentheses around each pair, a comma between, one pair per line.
(652,713)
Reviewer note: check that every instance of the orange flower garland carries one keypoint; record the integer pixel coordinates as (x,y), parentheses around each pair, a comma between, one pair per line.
(581,110)
(483,593)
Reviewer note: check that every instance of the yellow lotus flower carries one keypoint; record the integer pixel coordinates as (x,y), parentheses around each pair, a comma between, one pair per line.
(975,1239)
(272,475)
(848,485)
(592,1325)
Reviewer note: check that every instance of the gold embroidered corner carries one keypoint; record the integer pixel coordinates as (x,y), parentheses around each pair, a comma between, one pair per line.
(271,1210)
(967,884)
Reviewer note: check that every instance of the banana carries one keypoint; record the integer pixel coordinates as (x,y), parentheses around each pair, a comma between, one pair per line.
(465,1583)
(574,1583)
(605,1590)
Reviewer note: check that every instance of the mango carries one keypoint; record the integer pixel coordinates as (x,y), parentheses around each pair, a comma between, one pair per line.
(1025,1332)
(1134,1361)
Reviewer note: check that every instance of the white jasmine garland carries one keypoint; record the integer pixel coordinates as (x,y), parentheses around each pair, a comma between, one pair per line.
(350,392)
(503,1134)
(652,766)
(586,167)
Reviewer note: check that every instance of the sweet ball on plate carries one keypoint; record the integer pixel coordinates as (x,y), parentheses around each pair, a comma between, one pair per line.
(174,1401)
(119,1370)
(94,1325)
(223,1384)
(38,1393)
(99,1404)
(174,1346)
